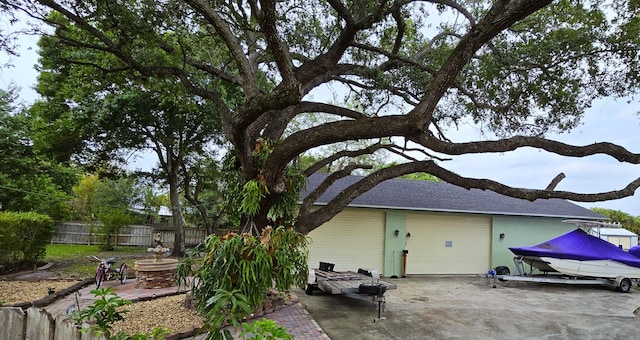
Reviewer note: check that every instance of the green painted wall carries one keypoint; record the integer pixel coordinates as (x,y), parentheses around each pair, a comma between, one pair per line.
(393,245)
(521,232)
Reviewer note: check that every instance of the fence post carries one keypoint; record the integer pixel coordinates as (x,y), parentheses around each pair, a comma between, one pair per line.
(12,323)
(40,324)
(89,335)
(66,328)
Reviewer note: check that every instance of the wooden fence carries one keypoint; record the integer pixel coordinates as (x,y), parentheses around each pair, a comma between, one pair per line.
(37,323)
(134,235)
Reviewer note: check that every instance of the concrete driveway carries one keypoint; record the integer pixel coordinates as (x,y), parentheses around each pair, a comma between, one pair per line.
(469,308)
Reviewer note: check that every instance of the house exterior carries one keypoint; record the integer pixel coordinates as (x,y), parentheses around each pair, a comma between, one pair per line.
(418,227)
(619,236)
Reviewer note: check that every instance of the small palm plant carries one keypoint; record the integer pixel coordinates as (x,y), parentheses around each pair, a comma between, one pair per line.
(231,275)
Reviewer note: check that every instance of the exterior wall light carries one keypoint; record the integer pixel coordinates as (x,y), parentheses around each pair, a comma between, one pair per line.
(397,232)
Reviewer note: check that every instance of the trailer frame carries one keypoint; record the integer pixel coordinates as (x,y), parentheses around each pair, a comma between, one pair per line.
(621,283)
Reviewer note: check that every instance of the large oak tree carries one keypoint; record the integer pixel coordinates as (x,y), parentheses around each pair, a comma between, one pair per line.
(519,68)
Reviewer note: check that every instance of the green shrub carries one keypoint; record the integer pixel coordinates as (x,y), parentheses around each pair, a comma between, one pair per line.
(264,329)
(112,221)
(236,271)
(23,237)
(105,312)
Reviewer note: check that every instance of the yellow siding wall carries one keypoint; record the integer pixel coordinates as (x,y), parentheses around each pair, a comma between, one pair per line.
(448,244)
(625,241)
(352,239)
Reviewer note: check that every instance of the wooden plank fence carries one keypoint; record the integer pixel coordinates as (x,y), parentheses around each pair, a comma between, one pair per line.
(37,323)
(192,236)
(134,235)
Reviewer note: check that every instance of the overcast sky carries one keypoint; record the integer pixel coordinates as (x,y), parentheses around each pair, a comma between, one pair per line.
(608,120)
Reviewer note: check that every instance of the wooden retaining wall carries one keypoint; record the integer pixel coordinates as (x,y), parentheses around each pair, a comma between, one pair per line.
(37,323)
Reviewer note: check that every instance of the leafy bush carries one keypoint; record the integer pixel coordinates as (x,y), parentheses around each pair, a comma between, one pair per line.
(104,312)
(236,271)
(112,221)
(23,237)
(264,329)
(111,203)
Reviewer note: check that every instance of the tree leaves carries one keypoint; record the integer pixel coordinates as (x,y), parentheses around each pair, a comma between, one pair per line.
(236,271)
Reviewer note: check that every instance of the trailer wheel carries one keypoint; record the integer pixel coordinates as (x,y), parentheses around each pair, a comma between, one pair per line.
(625,285)
(502,270)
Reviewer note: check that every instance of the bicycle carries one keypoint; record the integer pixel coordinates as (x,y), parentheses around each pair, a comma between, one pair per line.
(104,272)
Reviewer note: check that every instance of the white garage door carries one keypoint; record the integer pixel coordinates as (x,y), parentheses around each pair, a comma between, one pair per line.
(352,239)
(448,244)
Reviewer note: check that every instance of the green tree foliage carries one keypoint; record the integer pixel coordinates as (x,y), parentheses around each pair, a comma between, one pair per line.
(106,118)
(24,237)
(112,204)
(421,176)
(236,272)
(515,69)
(202,189)
(108,204)
(28,181)
(417,69)
(629,222)
(84,191)
(246,199)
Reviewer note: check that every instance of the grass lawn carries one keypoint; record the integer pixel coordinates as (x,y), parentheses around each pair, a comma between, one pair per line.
(71,260)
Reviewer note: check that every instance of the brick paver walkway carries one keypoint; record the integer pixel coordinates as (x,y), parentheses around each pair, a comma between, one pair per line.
(298,322)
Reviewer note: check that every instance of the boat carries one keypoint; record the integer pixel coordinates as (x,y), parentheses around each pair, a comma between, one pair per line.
(579,254)
(635,251)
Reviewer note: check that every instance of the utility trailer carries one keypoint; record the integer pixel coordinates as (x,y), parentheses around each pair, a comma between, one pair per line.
(620,283)
(363,284)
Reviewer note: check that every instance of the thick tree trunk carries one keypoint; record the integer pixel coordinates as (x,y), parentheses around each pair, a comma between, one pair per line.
(176,212)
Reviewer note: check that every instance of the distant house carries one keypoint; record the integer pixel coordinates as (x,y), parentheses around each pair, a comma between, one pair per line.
(442,228)
(619,236)
(165,216)
(162,219)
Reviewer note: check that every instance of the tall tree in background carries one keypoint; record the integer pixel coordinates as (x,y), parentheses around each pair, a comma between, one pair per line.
(517,68)
(631,223)
(28,182)
(99,117)
(203,185)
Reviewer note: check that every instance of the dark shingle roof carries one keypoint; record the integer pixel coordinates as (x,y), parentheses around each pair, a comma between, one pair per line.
(444,197)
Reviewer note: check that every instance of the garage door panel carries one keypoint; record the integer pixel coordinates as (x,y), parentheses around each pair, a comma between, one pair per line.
(352,239)
(447,244)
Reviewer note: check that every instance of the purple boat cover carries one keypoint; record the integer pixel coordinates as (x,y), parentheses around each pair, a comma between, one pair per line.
(635,251)
(578,245)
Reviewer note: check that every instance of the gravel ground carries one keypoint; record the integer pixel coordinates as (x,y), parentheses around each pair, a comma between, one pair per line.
(12,292)
(168,312)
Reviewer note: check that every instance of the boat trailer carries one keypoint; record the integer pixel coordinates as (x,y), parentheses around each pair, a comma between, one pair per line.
(620,283)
